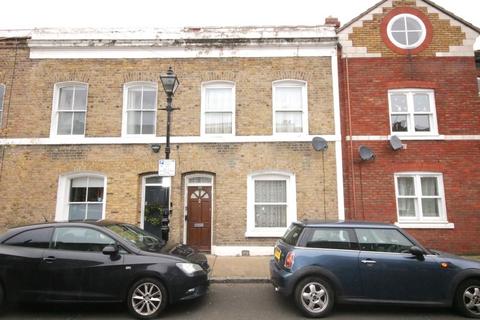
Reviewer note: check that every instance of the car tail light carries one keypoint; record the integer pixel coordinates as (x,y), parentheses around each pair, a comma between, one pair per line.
(289,260)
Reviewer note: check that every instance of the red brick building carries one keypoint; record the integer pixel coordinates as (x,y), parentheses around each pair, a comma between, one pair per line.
(408,70)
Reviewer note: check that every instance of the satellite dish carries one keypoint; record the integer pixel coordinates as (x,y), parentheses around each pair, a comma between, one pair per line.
(396,143)
(366,153)
(319,144)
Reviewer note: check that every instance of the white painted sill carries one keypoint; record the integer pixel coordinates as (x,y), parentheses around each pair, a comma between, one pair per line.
(425,225)
(418,137)
(264,234)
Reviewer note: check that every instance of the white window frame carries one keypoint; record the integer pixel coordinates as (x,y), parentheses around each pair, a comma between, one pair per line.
(126,87)
(2,104)
(478,85)
(406,46)
(419,221)
(410,92)
(291,83)
(63,193)
(56,112)
(221,85)
(253,231)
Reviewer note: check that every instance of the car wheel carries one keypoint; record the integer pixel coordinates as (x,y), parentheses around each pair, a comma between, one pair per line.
(147,298)
(314,297)
(468,298)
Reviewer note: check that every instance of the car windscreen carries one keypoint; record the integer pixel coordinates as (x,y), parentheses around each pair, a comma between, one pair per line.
(141,239)
(292,234)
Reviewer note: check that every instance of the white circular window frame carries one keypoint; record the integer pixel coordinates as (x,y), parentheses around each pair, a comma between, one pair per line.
(404,46)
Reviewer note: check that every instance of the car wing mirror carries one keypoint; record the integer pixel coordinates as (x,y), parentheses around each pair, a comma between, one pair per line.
(110,250)
(417,252)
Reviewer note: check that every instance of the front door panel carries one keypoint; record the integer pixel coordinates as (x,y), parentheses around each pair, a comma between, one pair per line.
(199,210)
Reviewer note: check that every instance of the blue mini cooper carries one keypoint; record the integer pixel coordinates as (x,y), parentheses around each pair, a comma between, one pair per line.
(321,264)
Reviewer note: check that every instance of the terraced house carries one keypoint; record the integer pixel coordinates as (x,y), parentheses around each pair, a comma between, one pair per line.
(82,122)
(408,70)
(390,101)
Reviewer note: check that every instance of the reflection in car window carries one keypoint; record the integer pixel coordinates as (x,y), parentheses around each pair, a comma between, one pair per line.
(292,234)
(142,239)
(37,238)
(80,239)
(330,238)
(383,240)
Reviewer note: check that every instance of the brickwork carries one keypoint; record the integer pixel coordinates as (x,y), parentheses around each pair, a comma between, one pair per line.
(375,187)
(30,176)
(370,34)
(453,79)
(369,185)
(106,77)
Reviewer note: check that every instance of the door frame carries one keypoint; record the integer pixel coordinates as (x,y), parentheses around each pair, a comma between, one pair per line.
(187,184)
(166,182)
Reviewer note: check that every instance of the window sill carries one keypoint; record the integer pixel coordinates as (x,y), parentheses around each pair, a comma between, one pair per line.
(425,225)
(418,137)
(265,234)
(290,134)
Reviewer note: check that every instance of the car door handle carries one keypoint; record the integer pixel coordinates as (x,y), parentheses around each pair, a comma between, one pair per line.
(49,259)
(368,261)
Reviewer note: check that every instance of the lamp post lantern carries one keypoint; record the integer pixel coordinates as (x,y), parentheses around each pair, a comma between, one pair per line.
(170,84)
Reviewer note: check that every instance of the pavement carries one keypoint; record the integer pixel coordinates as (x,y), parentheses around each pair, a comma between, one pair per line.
(244,269)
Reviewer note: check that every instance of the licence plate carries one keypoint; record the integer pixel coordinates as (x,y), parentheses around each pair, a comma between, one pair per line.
(277,253)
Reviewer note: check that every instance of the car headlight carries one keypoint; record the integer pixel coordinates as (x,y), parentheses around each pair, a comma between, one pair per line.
(189,268)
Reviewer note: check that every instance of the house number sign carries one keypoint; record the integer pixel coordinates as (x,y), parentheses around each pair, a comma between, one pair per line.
(166,168)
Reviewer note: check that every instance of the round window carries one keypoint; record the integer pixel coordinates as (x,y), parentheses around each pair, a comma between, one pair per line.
(406,31)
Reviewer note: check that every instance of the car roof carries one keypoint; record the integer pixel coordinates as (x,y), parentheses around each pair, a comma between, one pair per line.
(344,223)
(100,223)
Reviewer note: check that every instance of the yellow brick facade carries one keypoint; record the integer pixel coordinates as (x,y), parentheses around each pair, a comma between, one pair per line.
(35,79)
(29,178)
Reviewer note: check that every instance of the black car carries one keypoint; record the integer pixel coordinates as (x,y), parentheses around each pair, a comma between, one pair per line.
(320,264)
(101,261)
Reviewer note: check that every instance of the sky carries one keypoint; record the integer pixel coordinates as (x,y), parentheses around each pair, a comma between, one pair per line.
(194,13)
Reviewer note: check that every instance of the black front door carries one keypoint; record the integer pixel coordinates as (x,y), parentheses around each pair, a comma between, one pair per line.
(78,270)
(155,205)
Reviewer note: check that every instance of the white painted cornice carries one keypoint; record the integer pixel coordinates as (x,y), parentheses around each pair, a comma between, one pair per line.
(298,41)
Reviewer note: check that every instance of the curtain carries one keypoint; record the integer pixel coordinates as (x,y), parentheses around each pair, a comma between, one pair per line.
(421,102)
(66,98)
(80,98)
(406,206)
(218,122)
(399,103)
(288,98)
(134,98)
(218,110)
(288,121)
(270,203)
(430,206)
(218,99)
(133,122)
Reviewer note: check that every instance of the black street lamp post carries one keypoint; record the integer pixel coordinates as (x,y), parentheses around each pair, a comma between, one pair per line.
(170,84)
